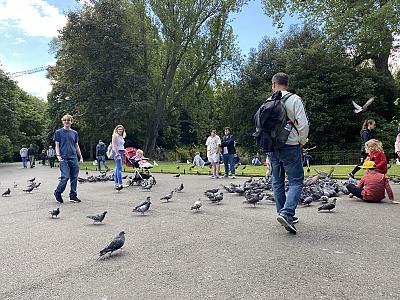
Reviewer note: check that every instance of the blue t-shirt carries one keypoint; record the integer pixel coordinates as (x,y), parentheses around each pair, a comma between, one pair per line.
(68,140)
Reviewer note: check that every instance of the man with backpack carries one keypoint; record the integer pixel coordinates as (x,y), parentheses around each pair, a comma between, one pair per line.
(101,150)
(281,130)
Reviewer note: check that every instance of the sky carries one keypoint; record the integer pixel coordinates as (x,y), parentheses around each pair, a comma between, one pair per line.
(28,26)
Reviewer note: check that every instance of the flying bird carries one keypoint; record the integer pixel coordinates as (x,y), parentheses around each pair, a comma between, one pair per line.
(167,196)
(6,193)
(196,205)
(54,212)
(180,188)
(115,244)
(357,108)
(328,206)
(97,218)
(142,208)
(29,189)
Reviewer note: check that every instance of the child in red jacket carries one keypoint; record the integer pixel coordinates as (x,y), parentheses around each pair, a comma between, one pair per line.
(372,185)
(375,153)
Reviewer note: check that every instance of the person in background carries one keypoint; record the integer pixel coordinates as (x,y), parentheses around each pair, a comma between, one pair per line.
(372,185)
(366,134)
(213,144)
(118,143)
(228,151)
(51,153)
(101,150)
(198,161)
(307,158)
(256,161)
(31,155)
(23,152)
(397,146)
(43,156)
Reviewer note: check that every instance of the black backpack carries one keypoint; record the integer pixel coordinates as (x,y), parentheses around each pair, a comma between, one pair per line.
(272,124)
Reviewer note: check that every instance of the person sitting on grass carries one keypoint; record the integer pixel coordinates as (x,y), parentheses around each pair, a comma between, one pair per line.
(372,185)
(143,161)
(198,161)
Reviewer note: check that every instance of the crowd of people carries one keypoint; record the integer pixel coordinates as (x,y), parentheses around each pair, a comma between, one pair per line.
(285,158)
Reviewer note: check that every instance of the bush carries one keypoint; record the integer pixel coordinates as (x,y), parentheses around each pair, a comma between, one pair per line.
(6,149)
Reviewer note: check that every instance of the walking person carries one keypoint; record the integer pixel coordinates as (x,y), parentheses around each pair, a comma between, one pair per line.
(101,150)
(213,144)
(228,151)
(366,134)
(118,143)
(67,152)
(23,152)
(51,153)
(397,146)
(31,155)
(43,157)
(287,158)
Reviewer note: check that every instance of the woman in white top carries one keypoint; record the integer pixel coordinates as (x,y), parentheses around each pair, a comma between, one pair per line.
(118,152)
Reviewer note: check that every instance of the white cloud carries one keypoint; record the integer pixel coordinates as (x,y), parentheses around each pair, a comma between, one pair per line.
(15,54)
(36,84)
(19,41)
(33,17)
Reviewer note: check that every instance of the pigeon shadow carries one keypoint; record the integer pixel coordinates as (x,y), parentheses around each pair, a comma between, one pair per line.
(95,224)
(140,215)
(116,255)
(251,207)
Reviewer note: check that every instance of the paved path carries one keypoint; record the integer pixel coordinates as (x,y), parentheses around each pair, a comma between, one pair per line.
(226,251)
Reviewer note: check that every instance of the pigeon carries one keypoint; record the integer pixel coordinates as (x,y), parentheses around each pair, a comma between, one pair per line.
(191,168)
(36,185)
(307,201)
(142,208)
(180,188)
(54,212)
(15,184)
(178,167)
(147,187)
(98,218)
(328,206)
(115,244)
(244,167)
(217,198)
(32,180)
(29,189)
(324,199)
(213,191)
(177,175)
(6,193)
(167,196)
(155,163)
(119,187)
(188,162)
(254,199)
(124,177)
(357,108)
(196,205)
(311,180)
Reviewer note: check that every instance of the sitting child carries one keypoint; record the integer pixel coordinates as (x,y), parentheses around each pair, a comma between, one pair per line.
(141,160)
(375,153)
(372,185)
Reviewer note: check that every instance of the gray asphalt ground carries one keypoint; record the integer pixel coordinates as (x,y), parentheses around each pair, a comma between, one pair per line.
(226,251)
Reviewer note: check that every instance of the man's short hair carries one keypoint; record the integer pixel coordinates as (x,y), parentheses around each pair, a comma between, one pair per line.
(281,79)
(228,129)
(212,129)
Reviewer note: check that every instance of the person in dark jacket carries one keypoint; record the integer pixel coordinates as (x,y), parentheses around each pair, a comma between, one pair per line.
(366,134)
(31,155)
(101,150)
(228,151)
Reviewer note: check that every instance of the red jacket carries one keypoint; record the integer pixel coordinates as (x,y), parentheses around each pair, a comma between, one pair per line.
(374,184)
(380,161)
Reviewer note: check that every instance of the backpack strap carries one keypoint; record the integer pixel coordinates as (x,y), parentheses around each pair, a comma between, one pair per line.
(283,100)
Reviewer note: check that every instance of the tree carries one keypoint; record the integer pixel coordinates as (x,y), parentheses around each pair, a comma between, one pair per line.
(365,28)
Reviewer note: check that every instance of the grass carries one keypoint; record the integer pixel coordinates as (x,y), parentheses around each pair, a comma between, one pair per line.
(340,171)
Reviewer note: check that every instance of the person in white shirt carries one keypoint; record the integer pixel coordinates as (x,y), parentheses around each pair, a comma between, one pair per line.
(213,144)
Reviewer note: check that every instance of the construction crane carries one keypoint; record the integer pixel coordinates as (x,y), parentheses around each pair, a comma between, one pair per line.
(26,72)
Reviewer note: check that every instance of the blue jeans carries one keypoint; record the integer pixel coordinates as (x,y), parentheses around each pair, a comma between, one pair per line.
(100,159)
(228,162)
(69,170)
(118,167)
(287,160)
(24,161)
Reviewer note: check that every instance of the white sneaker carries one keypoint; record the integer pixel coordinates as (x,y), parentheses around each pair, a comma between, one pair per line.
(233,176)
(212,176)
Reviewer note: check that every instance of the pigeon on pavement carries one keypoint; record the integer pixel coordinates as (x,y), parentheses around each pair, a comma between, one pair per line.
(328,206)
(142,208)
(29,189)
(196,205)
(98,218)
(180,188)
(167,196)
(177,175)
(6,193)
(115,244)
(32,180)
(55,212)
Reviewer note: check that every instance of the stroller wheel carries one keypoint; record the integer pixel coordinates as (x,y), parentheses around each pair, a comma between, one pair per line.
(153,180)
